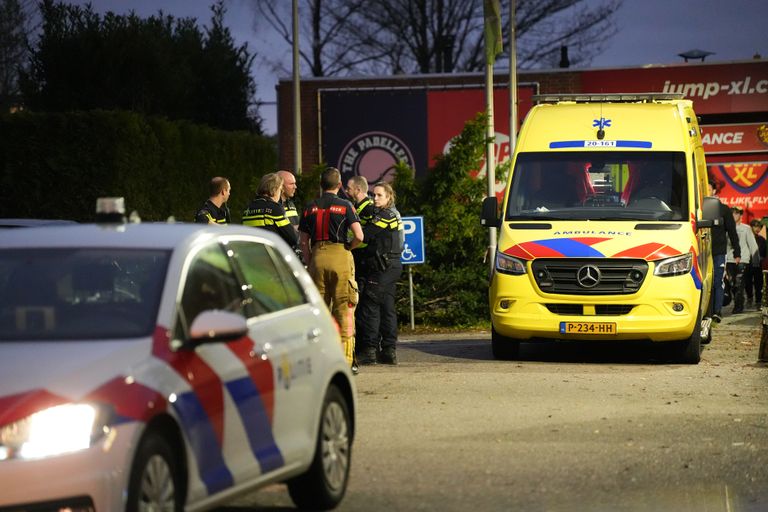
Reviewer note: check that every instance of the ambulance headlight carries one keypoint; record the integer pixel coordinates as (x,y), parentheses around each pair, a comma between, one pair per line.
(675,266)
(509,265)
(50,432)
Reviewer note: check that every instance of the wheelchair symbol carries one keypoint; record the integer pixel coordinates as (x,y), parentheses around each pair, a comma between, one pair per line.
(407,254)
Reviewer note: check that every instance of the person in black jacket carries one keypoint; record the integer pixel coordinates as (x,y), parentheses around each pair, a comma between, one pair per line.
(724,228)
(754,277)
(214,210)
(377,335)
(266,212)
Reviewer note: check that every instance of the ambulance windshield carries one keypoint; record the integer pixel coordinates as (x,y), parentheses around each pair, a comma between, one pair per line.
(599,186)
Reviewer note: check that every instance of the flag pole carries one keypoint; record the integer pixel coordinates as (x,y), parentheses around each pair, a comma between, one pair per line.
(296,92)
(512,80)
(493,46)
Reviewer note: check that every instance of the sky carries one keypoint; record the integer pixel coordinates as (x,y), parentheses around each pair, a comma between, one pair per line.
(649,32)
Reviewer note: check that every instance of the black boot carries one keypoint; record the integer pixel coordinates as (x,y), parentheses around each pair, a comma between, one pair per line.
(388,356)
(367,356)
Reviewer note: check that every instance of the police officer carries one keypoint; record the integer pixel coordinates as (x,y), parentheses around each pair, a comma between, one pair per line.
(357,190)
(382,269)
(214,210)
(266,212)
(286,201)
(323,234)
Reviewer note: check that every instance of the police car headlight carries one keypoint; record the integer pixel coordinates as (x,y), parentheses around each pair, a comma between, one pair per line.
(50,432)
(675,266)
(509,265)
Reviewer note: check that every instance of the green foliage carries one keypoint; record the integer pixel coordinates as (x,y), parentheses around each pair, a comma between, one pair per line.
(157,66)
(452,287)
(56,165)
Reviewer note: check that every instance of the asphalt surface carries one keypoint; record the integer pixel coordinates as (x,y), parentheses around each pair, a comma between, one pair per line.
(570,426)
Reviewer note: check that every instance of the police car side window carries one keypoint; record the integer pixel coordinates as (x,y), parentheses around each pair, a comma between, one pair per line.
(293,290)
(269,283)
(211,284)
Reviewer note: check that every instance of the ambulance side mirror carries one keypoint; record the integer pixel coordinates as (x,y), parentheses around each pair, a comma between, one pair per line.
(490,214)
(710,209)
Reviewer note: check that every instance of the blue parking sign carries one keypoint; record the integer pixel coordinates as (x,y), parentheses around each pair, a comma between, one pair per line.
(413,247)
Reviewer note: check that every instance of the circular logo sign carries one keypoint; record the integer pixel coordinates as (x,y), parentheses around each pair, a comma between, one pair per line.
(374,156)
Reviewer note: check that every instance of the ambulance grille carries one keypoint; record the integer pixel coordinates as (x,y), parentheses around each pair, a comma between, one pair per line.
(600,309)
(573,276)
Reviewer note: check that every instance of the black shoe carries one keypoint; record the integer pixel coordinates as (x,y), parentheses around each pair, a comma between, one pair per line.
(717,318)
(367,357)
(736,311)
(388,356)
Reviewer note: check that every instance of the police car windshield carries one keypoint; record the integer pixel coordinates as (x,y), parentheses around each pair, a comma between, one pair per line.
(67,294)
(602,185)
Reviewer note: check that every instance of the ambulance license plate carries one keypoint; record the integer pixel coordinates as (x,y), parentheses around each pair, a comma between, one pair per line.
(587,328)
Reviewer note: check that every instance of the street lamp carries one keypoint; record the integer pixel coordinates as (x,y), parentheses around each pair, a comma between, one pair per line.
(695,54)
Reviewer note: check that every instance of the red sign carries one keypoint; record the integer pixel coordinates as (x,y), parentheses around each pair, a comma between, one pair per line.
(735,138)
(743,184)
(714,88)
(448,110)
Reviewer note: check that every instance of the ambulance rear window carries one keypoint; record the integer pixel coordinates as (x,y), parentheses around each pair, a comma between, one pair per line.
(594,185)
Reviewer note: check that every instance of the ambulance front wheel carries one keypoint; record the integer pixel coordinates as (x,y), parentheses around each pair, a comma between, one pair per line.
(503,348)
(688,351)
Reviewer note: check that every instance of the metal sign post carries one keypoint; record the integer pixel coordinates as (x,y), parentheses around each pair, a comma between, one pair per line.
(413,251)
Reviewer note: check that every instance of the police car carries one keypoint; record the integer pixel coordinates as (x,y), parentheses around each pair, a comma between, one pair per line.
(166,367)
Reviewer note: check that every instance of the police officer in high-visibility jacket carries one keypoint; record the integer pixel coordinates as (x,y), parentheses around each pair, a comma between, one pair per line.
(266,212)
(323,234)
(377,330)
(286,201)
(214,210)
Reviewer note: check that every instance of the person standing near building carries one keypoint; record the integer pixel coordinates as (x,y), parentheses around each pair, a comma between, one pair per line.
(266,212)
(378,329)
(736,268)
(722,233)
(323,233)
(286,201)
(286,198)
(357,190)
(215,210)
(754,276)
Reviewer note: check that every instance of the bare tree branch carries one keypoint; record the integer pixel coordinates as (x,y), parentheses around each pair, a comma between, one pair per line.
(425,36)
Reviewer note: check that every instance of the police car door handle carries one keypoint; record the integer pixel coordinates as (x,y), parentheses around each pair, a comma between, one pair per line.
(313,334)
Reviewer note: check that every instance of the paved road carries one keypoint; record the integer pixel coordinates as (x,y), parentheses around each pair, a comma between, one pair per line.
(590,427)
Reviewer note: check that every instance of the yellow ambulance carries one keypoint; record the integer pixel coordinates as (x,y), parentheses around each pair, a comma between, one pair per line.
(603,233)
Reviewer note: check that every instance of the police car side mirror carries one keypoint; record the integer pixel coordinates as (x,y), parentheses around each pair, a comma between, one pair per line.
(490,214)
(216,326)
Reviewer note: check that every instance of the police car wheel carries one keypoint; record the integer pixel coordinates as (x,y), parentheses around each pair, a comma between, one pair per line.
(503,348)
(154,483)
(323,486)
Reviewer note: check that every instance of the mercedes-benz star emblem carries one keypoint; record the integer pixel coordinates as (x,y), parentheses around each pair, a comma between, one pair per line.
(588,276)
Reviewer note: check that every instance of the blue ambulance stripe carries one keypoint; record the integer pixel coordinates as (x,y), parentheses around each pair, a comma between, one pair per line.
(197,426)
(696,280)
(571,248)
(619,144)
(566,144)
(634,144)
(256,422)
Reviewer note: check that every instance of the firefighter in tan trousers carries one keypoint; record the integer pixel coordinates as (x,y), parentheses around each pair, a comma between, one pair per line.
(323,233)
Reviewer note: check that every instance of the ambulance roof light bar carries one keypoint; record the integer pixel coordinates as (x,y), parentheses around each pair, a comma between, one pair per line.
(607,98)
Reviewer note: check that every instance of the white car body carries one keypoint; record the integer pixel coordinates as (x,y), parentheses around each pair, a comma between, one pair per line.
(243,412)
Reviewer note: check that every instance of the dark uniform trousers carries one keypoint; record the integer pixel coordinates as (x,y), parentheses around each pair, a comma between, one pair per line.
(333,271)
(377,313)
